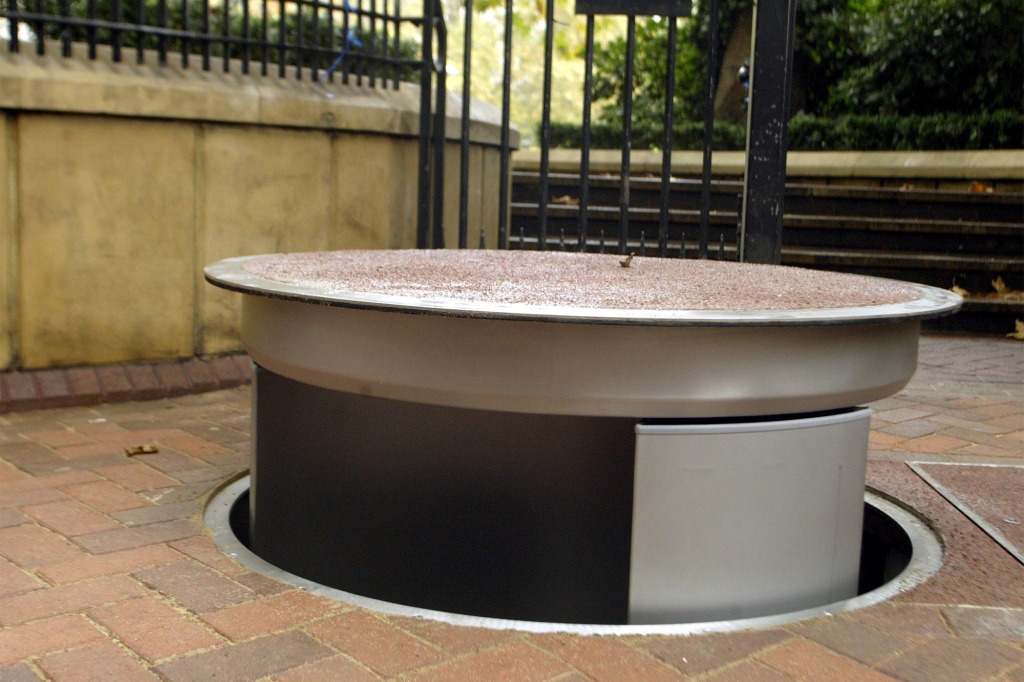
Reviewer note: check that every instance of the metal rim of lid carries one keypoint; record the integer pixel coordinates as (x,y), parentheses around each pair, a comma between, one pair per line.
(932,302)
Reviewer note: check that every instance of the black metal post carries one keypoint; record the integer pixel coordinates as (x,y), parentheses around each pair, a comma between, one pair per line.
(282,30)
(467,64)
(440,128)
(299,49)
(771,79)
(314,42)
(426,79)
(246,38)
(709,128)
(627,133)
(140,37)
(90,33)
(545,125)
(371,44)
(345,28)
(40,38)
(396,47)
(115,35)
(225,18)
(506,90)
(12,27)
(205,23)
(667,143)
(161,41)
(186,42)
(264,35)
(361,67)
(396,71)
(588,96)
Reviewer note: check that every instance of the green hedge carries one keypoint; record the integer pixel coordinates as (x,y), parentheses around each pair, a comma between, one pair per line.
(996,130)
(687,135)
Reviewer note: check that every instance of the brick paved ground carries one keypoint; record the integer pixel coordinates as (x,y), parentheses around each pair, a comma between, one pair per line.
(106,572)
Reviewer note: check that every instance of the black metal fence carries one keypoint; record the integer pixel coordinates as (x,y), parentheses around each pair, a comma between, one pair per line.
(354,40)
(371,42)
(431,230)
(761,200)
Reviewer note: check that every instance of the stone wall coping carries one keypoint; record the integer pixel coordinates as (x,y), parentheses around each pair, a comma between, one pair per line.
(102,86)
(1004,164)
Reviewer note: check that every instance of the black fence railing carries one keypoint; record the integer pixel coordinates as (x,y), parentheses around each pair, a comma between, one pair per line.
(761,199)
(360,41)
(365,42)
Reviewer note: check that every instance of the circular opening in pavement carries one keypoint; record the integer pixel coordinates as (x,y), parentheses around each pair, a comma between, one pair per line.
(898,552)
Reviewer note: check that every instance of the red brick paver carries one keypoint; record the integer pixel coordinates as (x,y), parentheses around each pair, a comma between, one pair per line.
(154,629)
(43,636)
(101,661)
(30,390)
(107,573)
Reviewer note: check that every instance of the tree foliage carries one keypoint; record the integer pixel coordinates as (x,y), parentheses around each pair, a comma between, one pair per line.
(863,57)
(927,56)
(826,45)
(650,67)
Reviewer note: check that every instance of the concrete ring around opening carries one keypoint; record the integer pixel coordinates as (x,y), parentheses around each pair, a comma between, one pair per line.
(925,560)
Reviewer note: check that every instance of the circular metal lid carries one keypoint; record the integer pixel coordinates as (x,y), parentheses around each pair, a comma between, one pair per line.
(587,288)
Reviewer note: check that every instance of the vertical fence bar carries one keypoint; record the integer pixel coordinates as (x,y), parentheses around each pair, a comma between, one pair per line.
(246,37)
(771,81)
(140,37)
(264,39)
(39,26)
(709,128)
(299,48)
(331,43)
(627,133)
(344,38)
(545,126)
(506,92)
(90,33)
(225,31)
(14,44)
(384,51)
(396,71)
(440,126)
(423,230)
(467,63)
(282,30)
(385,42)
(360,68)
(117,14)
(65,33)
(204,22)
(161,41)
(588,96)
(314,40)
(668,141)
(371,45)
(186,41)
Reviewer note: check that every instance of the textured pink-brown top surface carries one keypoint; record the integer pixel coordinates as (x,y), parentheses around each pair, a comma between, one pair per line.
(574,280)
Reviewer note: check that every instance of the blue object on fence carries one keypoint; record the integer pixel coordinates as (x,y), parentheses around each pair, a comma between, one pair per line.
(351,40)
